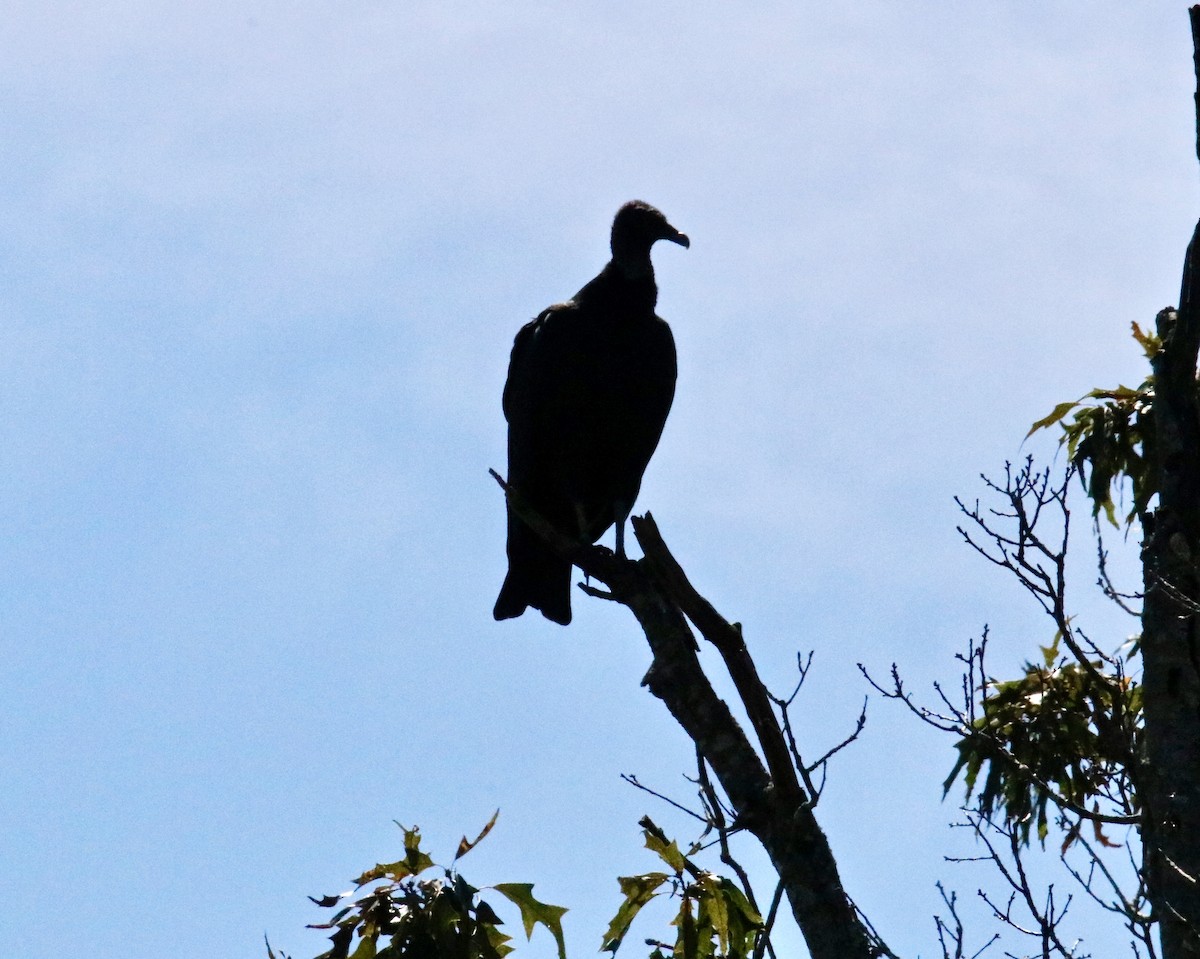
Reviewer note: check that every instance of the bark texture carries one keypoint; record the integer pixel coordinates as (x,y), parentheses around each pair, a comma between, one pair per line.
(1171,620)
(1171,636)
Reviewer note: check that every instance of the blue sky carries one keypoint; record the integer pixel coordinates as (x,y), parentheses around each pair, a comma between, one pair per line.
(262,265)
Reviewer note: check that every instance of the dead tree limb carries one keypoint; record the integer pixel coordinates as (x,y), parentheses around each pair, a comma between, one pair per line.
(767,798)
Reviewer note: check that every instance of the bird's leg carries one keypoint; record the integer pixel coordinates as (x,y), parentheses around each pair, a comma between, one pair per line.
(581,524)
(620,514)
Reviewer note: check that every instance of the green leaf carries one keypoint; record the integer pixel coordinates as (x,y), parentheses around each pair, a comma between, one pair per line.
(668,851)
(367,948)
(1110,512)
(737,900)
(463,890)
(414,862)
(715,908)
(685,922)
(637,890)
(465,847)
(486,914)
(341,944)
(534,912)
(395,871)
(1056,414)
(1050,653)
(1149,342)
(1059,721)
(497,940)
(963,757)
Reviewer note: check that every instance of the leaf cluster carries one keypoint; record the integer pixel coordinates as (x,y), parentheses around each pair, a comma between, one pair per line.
(1059,732)
(1112,439)
(715,918)
(404,916)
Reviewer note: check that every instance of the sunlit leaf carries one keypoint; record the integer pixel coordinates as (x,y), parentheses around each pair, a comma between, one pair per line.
(414,862)
(1112,441)
(716,908)
(1150,342)
(1050,653)
(667,849)
(637,890)
(1061,722)
(1056,414)
(534,912)
(439,917)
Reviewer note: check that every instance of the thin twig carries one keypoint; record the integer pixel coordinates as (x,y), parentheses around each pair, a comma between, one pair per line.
(633,781)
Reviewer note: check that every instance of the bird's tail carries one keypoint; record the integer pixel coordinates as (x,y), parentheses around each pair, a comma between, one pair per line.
(537,577)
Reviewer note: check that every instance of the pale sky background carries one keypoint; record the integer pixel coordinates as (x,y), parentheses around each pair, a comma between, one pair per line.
(262,266)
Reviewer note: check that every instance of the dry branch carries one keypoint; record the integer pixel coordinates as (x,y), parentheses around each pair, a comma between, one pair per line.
(767,800)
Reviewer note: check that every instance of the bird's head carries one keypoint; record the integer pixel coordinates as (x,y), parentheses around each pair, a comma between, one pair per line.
(637,227)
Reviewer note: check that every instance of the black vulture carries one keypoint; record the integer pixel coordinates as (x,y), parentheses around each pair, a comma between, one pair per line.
(589,386)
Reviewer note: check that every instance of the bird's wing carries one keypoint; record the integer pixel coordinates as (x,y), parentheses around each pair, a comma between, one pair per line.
(655,392)
(535,360)
(539,397)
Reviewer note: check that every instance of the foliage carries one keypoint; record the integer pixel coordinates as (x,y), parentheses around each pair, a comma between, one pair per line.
(406,917)
(715,918)
(1114,438)
(1058,732)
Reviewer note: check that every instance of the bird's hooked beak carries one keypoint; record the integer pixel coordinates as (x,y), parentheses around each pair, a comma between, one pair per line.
(676,237)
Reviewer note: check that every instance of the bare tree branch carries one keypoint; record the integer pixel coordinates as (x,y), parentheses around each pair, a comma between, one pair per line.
(768,801)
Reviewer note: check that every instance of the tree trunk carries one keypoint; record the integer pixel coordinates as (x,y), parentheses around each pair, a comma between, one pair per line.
(1171,637)
(1170,779)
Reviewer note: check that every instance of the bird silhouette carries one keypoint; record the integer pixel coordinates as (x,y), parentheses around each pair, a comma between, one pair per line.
(590,383)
